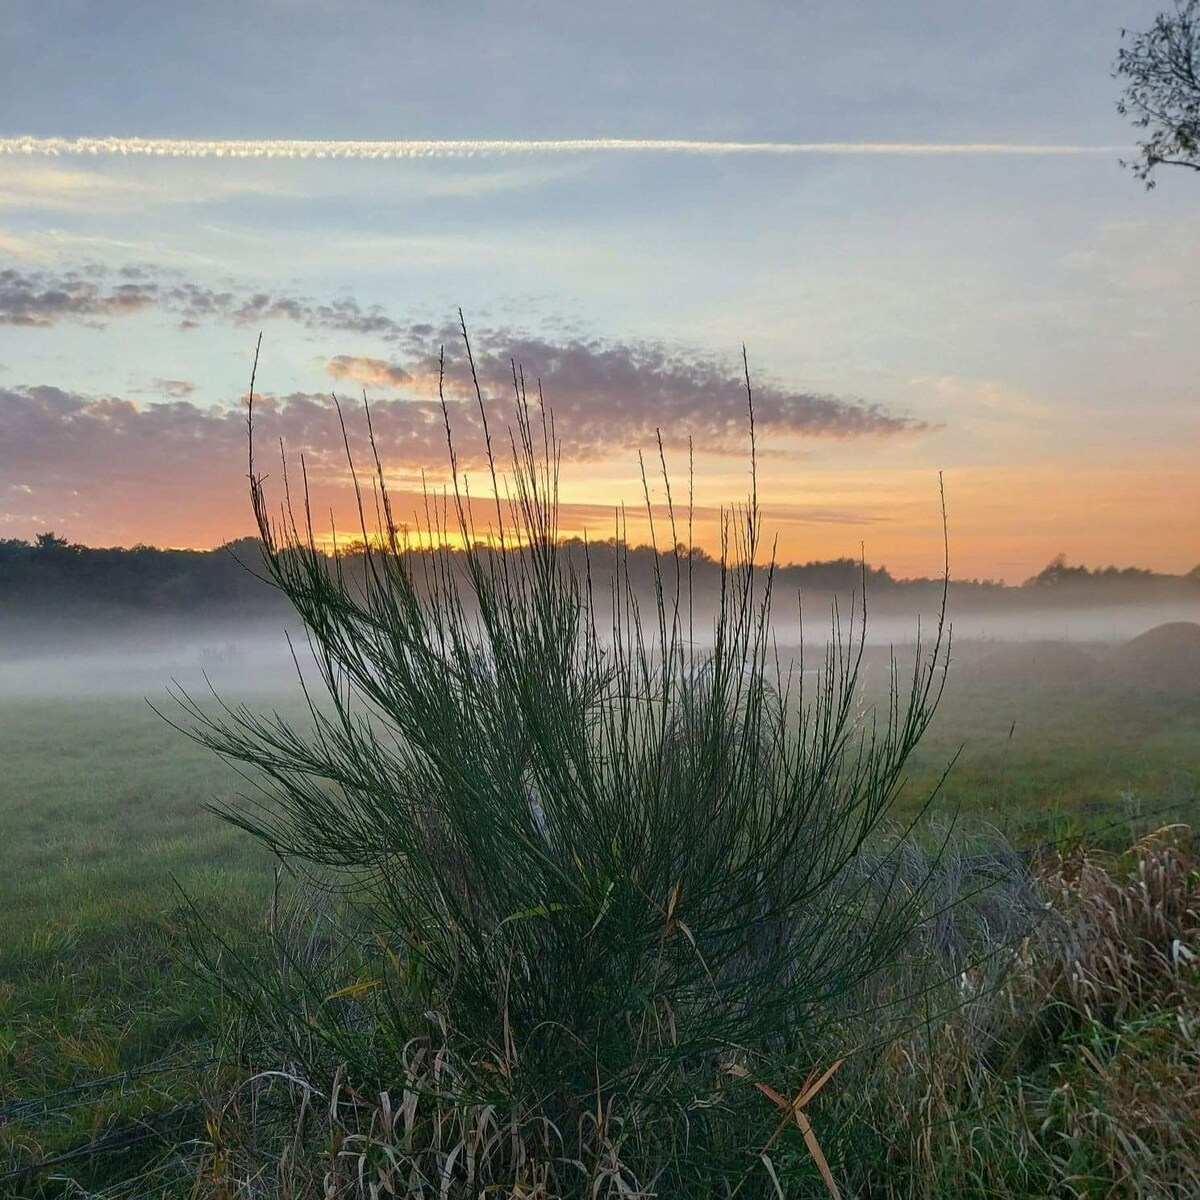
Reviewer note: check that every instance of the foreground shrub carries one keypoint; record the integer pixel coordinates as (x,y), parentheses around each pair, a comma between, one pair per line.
(617,902)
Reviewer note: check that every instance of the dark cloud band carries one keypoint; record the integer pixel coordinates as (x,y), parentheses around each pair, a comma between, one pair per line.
(604,394)
(105,469)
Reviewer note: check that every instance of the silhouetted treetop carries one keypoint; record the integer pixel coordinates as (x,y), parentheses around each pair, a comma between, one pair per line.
(1161,72)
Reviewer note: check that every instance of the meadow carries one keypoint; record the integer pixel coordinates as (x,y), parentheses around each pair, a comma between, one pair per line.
(521,892)
(107,1029)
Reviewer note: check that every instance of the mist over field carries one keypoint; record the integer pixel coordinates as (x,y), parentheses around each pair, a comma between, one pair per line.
(72,653)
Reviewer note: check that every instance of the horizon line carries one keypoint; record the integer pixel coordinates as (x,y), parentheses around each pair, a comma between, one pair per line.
(353,545)
(54,147)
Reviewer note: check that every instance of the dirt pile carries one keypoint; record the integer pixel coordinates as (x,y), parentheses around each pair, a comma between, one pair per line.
(1165,659)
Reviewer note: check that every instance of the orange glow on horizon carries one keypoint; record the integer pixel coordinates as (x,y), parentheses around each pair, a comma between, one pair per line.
(1004,522)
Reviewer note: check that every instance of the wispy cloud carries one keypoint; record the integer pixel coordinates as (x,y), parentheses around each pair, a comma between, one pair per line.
(20,247)
(185,461)
(46,187)
(41,183)
(174,389)
(41,299)
(369,371)
(46,297)
(474,148)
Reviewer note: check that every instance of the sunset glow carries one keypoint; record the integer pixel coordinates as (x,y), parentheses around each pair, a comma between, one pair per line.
(956,285)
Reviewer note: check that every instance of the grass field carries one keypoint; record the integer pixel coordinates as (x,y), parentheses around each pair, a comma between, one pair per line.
(103,831)
(104,828)
(1043,764)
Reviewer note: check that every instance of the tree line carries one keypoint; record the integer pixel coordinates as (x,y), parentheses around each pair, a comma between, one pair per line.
(52,573)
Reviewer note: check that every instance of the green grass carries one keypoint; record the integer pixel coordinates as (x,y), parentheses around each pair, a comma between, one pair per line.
(101,807)
(103,822)
(1045,764)
(103,812)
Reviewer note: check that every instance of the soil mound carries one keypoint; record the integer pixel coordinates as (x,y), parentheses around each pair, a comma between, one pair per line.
(1164,659)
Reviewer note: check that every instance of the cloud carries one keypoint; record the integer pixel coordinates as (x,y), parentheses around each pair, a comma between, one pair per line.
(54,188)
(20,247)
(105,470)
(55,441)
(176,389)
(42,299)
(604,394)
(610,395)
(39,184)
(472,148)
(369,371)
(343,314)
(52,439)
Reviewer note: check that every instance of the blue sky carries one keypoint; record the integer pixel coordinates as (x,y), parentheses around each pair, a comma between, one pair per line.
(1026,321)
(802,71)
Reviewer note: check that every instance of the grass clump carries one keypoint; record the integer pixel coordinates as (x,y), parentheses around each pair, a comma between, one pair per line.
(1078,1073)
(613,895)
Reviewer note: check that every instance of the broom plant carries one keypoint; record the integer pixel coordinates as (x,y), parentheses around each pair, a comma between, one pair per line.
(624,865)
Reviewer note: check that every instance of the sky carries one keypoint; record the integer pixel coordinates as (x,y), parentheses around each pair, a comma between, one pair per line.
(912,216)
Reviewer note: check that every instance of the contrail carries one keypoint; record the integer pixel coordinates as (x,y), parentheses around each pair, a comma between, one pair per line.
(262,148)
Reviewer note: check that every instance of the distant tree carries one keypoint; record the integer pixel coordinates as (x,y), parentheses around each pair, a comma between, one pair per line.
(1057,572)
(1161,72)
(49,542)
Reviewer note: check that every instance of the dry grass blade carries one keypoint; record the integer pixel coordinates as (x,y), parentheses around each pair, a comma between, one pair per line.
(794,1109)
